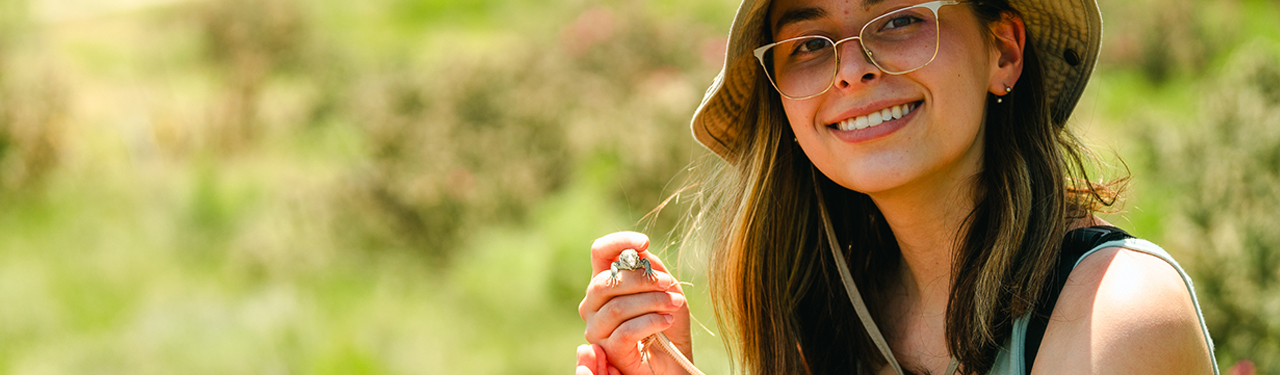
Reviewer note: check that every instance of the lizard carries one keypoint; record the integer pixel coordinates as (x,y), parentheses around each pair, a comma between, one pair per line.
(630,260)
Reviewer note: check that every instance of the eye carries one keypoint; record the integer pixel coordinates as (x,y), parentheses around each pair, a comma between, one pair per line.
(898,21)
(810,46)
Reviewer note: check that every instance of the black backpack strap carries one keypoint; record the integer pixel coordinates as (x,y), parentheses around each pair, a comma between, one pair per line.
(1074,245)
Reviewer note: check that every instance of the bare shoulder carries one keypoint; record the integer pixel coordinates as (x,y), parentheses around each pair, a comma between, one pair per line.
(1124,312)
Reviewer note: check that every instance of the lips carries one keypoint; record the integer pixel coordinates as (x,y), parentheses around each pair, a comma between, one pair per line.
(876,118)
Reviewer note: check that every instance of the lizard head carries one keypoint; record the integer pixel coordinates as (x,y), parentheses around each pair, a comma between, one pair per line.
(630,258)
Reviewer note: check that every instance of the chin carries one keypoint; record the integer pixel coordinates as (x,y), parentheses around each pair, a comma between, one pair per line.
(866,179)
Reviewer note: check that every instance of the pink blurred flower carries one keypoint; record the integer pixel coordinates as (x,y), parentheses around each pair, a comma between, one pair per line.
(593,26)
(1243,367)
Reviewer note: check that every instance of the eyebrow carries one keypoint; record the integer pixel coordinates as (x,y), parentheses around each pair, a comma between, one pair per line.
(798,15)
(808,14)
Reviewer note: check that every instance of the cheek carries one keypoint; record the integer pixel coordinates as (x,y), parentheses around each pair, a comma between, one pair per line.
(800,116)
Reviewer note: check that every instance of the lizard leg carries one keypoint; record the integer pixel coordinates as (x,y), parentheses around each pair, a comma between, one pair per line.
(645,354)
(613,275)
(648,270)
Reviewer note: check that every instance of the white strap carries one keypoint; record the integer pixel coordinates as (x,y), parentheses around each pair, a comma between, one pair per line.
(854,295)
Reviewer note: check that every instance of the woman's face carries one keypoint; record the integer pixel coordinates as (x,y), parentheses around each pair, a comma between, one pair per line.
(938,140)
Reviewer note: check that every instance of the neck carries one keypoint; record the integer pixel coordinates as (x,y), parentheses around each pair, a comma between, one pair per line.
(926,218)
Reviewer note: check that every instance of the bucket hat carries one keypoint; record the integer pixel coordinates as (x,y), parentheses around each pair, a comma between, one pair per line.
(1066,34)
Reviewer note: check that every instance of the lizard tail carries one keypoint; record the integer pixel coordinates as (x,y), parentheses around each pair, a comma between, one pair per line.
(674,352)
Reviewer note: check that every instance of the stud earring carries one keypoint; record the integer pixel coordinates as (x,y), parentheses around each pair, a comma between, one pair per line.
(1007,90)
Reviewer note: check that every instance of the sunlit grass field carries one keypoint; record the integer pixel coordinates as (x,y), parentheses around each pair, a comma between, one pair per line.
(411,187)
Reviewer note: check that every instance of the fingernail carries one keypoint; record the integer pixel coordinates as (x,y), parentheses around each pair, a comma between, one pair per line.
(677,299)
(669,318)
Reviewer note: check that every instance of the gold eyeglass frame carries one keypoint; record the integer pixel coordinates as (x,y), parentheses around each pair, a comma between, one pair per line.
(835,45)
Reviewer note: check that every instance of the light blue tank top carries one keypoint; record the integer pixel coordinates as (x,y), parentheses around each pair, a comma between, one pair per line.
(1011,359)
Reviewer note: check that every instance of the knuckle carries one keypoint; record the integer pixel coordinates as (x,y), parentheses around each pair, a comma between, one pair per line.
(597,285)
(608,344)
(620,334)
(595,333)
(609,311)
(616,350)
(627,332)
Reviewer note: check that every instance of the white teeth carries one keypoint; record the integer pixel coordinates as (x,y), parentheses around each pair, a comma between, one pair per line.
(876,118)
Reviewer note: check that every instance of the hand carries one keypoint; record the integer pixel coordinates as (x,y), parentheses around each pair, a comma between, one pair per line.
(591,361)
(620,316)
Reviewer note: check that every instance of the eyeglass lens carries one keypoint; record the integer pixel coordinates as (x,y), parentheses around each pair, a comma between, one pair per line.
(897,42)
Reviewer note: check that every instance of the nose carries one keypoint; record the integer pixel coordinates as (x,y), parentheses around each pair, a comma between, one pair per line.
(855,66)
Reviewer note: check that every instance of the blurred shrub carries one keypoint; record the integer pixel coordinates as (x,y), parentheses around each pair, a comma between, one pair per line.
(247,41)
(1166,40)
(31,111)
(1227,166)
(31,104)
(475,141)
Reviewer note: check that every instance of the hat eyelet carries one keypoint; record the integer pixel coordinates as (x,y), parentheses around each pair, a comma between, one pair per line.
(1071,57)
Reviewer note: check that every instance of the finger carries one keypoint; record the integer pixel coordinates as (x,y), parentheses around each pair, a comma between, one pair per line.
(614,371)
(603,322)
(587,360)
(606,249)
(582,370)
(601,289)
(602,362)
(636,329)
(623,346)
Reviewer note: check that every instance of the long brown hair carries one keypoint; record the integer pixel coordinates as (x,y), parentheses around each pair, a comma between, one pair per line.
(775,293)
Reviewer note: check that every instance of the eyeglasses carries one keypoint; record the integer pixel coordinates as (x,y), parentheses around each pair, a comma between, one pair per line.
(898,42)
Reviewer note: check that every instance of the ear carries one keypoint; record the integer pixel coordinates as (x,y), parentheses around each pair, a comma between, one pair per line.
(1010,42)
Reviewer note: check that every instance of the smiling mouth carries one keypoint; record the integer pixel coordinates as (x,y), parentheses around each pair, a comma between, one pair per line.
(876,118)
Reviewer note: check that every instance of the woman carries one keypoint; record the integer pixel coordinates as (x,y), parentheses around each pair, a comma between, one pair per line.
(902,194)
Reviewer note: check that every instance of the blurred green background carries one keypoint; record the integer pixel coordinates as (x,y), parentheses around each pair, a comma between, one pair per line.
(411,186)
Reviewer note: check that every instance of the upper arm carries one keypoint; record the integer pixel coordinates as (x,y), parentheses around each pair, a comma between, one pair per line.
(1124,312)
